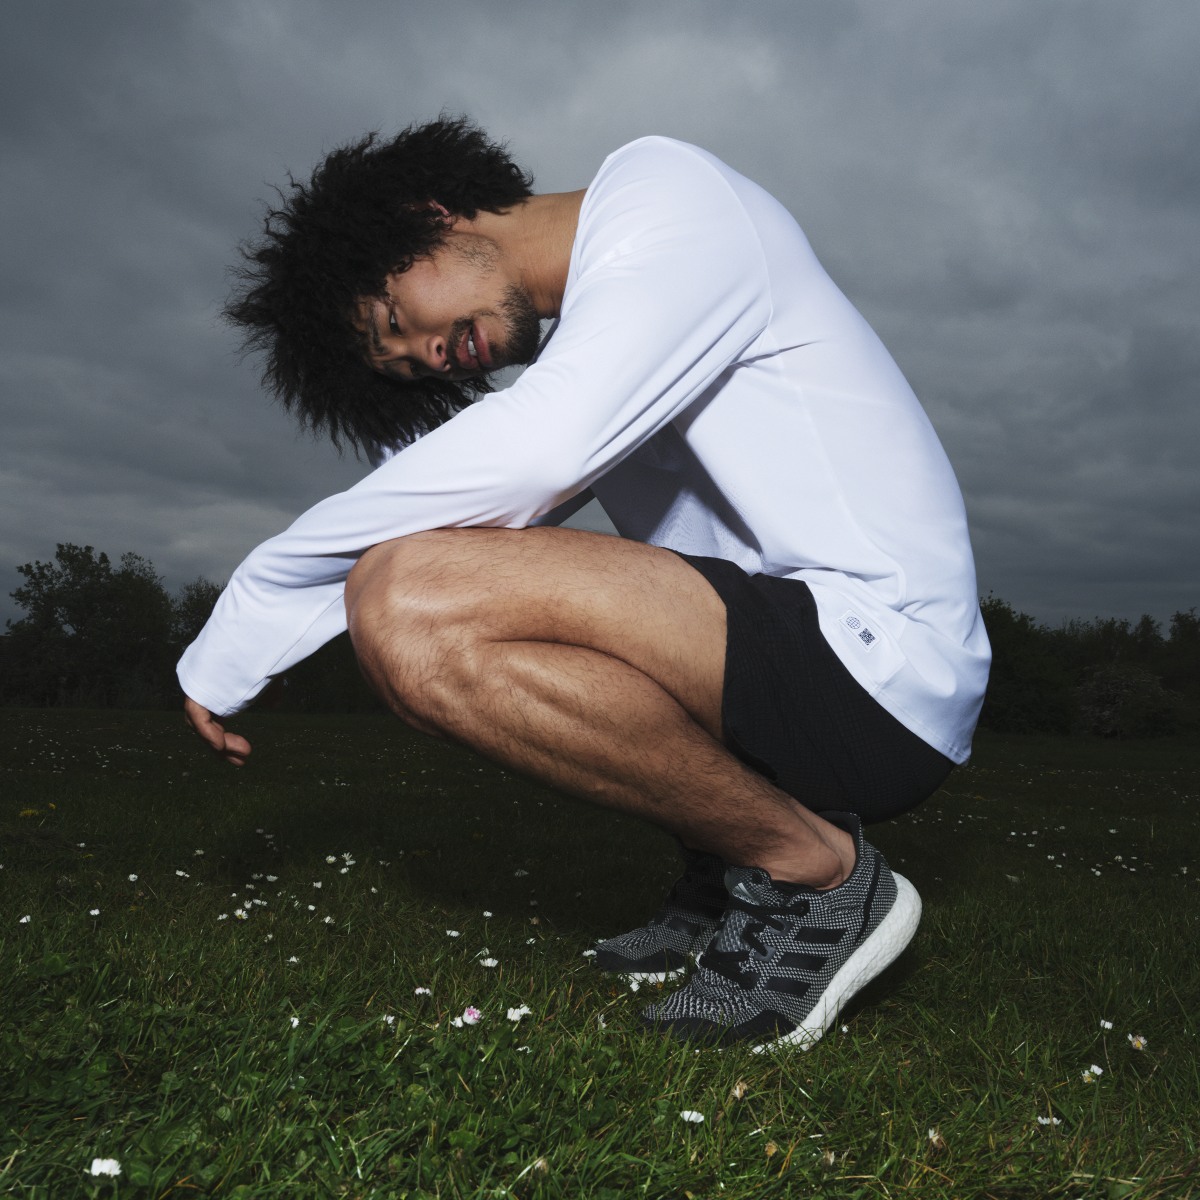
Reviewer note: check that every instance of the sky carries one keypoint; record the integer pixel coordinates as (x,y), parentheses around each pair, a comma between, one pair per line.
(1010,193)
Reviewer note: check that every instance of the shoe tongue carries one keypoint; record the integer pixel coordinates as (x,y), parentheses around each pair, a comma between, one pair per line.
(751,884)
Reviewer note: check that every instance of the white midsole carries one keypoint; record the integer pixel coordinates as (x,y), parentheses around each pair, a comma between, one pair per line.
(653,976)
(880,949)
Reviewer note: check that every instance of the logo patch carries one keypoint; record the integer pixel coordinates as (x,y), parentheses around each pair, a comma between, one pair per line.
(858,627)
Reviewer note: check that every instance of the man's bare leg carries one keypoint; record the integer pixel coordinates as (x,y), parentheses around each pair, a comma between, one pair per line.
(590,663)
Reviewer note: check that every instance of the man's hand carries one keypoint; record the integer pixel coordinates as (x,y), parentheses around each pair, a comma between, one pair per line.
(232,747)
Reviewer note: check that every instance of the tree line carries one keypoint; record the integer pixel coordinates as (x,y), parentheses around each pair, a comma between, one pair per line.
(99,634)
(1108,677)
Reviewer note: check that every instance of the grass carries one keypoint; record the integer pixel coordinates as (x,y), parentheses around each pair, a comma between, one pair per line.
(289,1054)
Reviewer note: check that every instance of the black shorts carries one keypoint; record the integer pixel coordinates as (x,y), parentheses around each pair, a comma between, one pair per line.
(792,712)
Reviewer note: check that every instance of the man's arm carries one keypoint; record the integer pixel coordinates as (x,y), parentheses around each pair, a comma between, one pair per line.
(668,290)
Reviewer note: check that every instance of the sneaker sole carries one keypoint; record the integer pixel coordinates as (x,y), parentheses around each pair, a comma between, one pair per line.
(880,949)
(661,976)
(650,976)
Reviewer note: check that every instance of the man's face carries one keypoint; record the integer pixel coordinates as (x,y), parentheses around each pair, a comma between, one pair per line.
(451,315)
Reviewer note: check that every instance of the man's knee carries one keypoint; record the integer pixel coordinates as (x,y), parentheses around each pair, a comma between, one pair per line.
(395,578)
(422,592)
(407,626)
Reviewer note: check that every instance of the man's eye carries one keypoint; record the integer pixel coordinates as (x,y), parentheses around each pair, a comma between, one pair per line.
(393,327)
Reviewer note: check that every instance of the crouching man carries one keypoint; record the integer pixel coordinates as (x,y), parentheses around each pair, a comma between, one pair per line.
(783,645)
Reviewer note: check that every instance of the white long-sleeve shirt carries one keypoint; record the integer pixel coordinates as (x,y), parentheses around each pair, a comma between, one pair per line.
(719,395)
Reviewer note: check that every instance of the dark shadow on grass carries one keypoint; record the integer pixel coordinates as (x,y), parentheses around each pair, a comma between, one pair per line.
(912,963)
(504,845)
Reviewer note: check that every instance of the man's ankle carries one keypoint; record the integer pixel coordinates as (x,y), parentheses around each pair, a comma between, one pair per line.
(825,865)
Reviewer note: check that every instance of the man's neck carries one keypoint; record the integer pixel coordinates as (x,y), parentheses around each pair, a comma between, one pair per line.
(535,237)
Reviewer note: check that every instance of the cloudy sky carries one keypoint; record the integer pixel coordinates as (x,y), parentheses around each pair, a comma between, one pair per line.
(1009,191)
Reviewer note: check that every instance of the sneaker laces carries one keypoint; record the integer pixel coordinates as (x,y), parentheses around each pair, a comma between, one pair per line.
(729,963)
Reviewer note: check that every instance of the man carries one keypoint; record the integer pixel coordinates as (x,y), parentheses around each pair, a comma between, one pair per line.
(784,643)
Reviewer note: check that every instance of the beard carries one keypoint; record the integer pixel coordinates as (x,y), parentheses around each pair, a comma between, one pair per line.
(516,312)
(522,329)
(520,325)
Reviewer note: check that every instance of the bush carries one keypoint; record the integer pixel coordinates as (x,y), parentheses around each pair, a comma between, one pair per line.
(1125,702)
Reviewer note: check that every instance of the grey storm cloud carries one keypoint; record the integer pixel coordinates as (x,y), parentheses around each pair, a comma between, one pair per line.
(1008,191)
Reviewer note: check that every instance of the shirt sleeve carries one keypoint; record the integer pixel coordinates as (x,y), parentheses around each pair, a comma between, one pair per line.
(667,290)
(566,510)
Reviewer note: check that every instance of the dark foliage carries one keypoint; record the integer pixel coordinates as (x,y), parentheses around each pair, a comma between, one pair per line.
(1126,701)
(99,635)
(1106,677)
(95,635)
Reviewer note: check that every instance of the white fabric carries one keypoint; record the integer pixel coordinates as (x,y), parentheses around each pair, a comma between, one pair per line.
(720,396)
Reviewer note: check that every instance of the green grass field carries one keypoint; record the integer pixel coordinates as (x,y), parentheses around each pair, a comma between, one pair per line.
(246,984)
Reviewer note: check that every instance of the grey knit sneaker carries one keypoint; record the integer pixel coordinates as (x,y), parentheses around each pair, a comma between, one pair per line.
(666,945)
(786,958)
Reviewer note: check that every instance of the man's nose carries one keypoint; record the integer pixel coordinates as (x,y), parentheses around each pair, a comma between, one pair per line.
(433,354)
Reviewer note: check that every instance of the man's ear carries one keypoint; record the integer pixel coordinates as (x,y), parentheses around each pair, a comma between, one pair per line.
(441,210)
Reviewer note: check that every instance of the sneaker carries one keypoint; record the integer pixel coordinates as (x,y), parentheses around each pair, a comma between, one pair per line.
(787,958)
(678,932)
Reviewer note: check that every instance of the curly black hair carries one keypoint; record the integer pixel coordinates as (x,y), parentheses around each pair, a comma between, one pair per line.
(366,212)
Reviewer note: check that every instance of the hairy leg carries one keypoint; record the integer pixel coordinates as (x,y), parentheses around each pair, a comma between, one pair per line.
(588,662)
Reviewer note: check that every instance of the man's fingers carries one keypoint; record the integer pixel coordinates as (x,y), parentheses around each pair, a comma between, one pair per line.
(204,723)
(231,746)
(237,744)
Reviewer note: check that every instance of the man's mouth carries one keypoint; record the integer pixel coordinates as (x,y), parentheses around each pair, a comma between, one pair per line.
(473,354)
